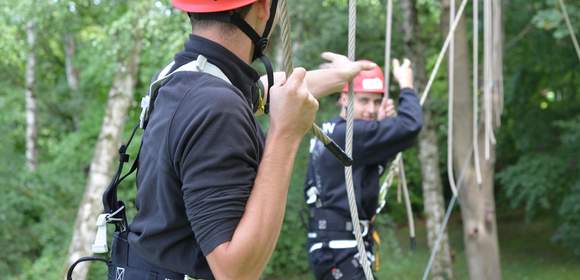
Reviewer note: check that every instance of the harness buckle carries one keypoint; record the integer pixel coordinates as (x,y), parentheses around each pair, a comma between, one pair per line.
(100,244)
(144,110)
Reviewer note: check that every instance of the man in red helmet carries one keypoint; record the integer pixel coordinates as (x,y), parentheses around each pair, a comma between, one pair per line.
(378,136)
(211,187)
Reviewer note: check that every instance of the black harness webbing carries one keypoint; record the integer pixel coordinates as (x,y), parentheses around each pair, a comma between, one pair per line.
(120,263)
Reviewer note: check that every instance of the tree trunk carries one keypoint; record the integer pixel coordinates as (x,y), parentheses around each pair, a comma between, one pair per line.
(477,202)
(119,100)
(72,75)
(434,202)
(31,126)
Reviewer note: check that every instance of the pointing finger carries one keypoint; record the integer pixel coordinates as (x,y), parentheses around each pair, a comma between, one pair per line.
(330,56)
(396,64)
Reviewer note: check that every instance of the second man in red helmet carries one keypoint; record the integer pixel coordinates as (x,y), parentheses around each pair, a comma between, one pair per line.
(378,136)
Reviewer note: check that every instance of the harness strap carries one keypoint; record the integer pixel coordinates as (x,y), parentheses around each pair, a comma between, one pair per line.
(114,211)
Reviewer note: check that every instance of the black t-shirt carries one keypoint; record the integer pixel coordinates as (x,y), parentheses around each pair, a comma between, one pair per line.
(199,158)
(374,142)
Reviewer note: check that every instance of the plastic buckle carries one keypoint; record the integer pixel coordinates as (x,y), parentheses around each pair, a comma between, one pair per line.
(100,244)
(144,110)
(201,63)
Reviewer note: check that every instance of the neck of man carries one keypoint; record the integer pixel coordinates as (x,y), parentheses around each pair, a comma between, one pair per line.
(343,112)
(237,42)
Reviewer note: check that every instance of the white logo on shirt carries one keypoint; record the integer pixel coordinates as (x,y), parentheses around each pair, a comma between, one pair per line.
(328,128)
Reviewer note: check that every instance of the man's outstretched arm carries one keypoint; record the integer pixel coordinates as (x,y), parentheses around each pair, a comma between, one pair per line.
(332,76)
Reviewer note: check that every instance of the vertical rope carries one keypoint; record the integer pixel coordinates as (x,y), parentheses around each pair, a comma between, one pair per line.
(570,29)
(388,181)
(388,29)
(476,90)
(387,73)
(408,206)
(488,80)
(349,137)
(450,98)
(286,40)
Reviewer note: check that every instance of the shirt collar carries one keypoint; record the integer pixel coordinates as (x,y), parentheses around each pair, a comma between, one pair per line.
(242,75)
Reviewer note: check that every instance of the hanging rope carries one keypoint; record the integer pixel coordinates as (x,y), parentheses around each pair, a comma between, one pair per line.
(441,232)
(570,29)
(410,218)
(329,144)
(451,71)
(489,63)
(349,137)
(287,60)
(476,91)
(488,46)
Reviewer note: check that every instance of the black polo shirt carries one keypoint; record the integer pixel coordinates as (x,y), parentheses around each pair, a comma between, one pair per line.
(373,143)
(199,158)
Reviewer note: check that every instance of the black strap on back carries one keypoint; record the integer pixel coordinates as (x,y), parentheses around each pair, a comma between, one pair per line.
(111,203)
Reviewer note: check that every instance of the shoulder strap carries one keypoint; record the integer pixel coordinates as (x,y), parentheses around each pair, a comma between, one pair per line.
(199,65)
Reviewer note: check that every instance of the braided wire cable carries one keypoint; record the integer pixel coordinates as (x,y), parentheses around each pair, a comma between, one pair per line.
(349,138)
(288,66)
(286,40)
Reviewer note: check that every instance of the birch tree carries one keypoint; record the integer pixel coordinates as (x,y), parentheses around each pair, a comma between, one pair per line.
(477,201)
(433,200)
(30,96)
(120,97)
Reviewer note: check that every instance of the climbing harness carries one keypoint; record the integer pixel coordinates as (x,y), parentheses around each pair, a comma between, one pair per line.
(123,262)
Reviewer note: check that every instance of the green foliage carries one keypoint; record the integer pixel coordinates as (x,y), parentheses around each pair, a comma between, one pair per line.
(539,144)
(538,147)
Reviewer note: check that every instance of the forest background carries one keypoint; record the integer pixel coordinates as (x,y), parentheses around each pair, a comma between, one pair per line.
(537,182)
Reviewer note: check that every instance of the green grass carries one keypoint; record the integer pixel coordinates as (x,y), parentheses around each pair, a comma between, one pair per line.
(526,253)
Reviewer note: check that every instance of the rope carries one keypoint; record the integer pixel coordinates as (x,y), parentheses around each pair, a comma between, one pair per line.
(287,60)
(388,29)
(476,90)
(286,40)
(446,218)
(451,70)
(349,137)
(488,60)
(330,145)
(443,51)
(570,29)
(408,207)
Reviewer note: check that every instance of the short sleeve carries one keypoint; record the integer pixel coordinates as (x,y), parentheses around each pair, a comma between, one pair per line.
(216,160)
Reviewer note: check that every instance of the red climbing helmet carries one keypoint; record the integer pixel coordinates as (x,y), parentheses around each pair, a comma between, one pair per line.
(371,81)
(209,6)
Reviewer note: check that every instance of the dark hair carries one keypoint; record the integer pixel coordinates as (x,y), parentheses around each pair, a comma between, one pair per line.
(202,20)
